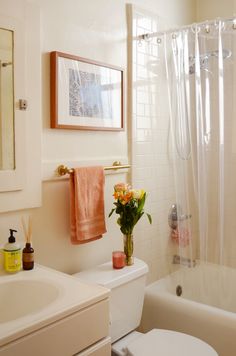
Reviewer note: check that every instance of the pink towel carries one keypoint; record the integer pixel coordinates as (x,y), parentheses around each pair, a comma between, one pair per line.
(87,204)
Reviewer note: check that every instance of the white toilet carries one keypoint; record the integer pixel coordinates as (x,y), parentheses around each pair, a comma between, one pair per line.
(127,287)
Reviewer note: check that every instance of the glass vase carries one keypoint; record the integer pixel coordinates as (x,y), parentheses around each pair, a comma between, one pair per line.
(128,248)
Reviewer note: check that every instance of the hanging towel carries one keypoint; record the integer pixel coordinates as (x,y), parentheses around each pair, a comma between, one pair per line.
(87,204)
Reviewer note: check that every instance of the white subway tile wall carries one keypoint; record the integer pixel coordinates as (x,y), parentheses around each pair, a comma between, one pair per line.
(152,168)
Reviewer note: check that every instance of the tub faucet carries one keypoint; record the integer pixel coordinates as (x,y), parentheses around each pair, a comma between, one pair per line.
(177,260)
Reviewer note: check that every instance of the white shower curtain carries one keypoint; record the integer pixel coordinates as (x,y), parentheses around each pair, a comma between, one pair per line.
(201,79)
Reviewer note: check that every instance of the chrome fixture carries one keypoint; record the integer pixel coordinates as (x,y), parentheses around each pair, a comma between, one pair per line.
(176,215)
(184,261)
(204,59)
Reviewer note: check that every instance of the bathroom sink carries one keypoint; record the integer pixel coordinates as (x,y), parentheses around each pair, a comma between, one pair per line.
(31,301)
(21,298)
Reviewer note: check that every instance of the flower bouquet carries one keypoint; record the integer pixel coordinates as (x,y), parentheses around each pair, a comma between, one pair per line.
(129,205)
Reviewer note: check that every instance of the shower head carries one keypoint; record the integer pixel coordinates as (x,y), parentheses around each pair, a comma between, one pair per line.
(226,53)
(204,59)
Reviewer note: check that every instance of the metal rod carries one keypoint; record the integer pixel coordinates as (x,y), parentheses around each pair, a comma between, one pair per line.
(173,30)
(63,170)
(118,166)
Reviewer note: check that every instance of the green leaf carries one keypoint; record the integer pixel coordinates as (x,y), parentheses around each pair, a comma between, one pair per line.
(111,212)
(141,203)
(149,218)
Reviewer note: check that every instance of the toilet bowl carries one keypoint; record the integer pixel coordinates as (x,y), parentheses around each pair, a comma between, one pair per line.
(127,287)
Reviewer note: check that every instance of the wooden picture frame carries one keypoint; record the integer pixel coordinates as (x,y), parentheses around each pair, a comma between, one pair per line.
(85,94)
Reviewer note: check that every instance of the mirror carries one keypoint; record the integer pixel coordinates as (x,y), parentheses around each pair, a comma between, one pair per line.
(7,155)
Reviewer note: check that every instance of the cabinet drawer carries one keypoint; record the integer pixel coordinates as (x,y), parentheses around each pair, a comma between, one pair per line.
(65,337)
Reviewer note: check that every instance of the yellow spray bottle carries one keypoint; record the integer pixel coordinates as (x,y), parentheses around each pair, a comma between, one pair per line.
(12,254)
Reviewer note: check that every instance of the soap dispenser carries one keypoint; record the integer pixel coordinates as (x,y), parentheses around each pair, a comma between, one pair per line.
(12,254)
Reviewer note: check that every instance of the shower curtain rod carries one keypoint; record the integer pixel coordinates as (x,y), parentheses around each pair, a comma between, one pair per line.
(206,23)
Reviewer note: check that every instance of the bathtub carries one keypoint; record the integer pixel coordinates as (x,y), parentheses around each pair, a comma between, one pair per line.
(205,309)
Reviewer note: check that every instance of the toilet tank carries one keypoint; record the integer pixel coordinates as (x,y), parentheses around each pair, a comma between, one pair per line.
(127,287)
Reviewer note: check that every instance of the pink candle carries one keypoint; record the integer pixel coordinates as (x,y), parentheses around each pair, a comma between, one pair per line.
(118,259)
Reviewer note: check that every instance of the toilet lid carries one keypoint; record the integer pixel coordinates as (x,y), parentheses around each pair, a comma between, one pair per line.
(159,342)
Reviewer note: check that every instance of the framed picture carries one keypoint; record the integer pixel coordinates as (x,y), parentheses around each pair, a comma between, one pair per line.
(85,94)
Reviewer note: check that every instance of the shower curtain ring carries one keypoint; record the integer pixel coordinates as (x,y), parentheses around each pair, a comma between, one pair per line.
(207,29)
(217,22)
(195,28)
(222,25)
(140,39)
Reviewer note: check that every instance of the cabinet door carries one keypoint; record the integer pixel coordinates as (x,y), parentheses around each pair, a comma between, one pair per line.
(20,183)
(65,337)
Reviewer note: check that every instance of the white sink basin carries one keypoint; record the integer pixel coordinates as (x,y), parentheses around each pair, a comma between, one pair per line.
(31,300)
(21,298)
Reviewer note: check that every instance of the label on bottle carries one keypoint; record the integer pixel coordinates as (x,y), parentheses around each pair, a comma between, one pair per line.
(12,260)
(28,256)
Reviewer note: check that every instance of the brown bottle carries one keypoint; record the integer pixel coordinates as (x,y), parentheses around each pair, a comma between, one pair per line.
(28,257)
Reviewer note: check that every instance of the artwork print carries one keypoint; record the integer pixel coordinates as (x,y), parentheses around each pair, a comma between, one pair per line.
(85,95)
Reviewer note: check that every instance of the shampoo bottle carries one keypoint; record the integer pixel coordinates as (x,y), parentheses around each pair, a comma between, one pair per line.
(12,254)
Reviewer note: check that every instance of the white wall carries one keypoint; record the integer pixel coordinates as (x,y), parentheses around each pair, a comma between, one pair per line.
(175,12)
(95,30)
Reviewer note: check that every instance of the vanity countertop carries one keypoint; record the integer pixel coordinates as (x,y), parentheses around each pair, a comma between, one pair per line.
(29,300)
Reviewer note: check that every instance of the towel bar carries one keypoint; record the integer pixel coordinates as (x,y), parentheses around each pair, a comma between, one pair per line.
(63,170)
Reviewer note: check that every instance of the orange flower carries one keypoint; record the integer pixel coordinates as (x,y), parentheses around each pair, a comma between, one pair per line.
(125,198)
(129,205)
(116,195)
(121,187)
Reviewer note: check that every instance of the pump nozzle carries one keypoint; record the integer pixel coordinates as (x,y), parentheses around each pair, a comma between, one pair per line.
(11,238)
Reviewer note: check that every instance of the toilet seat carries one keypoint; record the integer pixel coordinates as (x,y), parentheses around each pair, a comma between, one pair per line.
(158,342)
